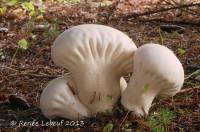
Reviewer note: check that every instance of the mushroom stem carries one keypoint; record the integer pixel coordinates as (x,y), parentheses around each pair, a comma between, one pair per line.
(141,97)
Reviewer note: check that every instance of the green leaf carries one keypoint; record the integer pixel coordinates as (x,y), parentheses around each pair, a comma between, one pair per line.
(146,88)
(11,2)
(74,1)
(166,115)
(181,51)
(32,13)
(28,6)
(159,121)
(52,33)
(108,127)
(109,97)
(106,3)
(3,10)
(23,44)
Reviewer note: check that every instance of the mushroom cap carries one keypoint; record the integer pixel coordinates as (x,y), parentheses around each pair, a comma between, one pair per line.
(158,65)
(57,100)
(157,71)
(97,56)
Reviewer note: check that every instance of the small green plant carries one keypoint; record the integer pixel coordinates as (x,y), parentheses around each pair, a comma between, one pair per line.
(53,33)
(11,2)
(126,128)
(28,6)
(159,121)
(181,51)
(25,4)
(2,10)
(109,97)
(108,127)
(105,3)
(22,44)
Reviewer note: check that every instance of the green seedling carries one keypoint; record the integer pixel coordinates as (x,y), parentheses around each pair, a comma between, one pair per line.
(11,2)
(159,121)
(53,33)
(28,6)
(3,10)
(109,97)
(22,44)
(181,51)
(105,3)
(108,127)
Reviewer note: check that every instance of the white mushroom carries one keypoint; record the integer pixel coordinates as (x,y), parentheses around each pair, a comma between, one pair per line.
(157,71)
(57,100)
(97,56)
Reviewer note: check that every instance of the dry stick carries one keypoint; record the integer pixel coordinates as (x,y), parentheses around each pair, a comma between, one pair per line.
(160,10)
(124,119)
(34,75)
(192,74)
(6,67)
(170,21)
(188,89)
(13,57)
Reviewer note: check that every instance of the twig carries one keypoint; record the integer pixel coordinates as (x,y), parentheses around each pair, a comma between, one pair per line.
(188,89)
(124,119)
(35,75)
(170,21)
(5,67)
(192,74)
(14,56)
(134,15)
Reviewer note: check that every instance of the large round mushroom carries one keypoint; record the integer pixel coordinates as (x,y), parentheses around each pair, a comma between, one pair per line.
(97,57)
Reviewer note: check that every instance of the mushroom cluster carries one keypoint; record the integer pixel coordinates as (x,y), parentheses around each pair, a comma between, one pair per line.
(97,57)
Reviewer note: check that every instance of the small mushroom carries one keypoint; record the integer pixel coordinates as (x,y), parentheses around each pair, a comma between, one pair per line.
(57,100)
(97,56)
(157,71)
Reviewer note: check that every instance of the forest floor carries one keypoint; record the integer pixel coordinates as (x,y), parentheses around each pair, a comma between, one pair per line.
(26,72)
